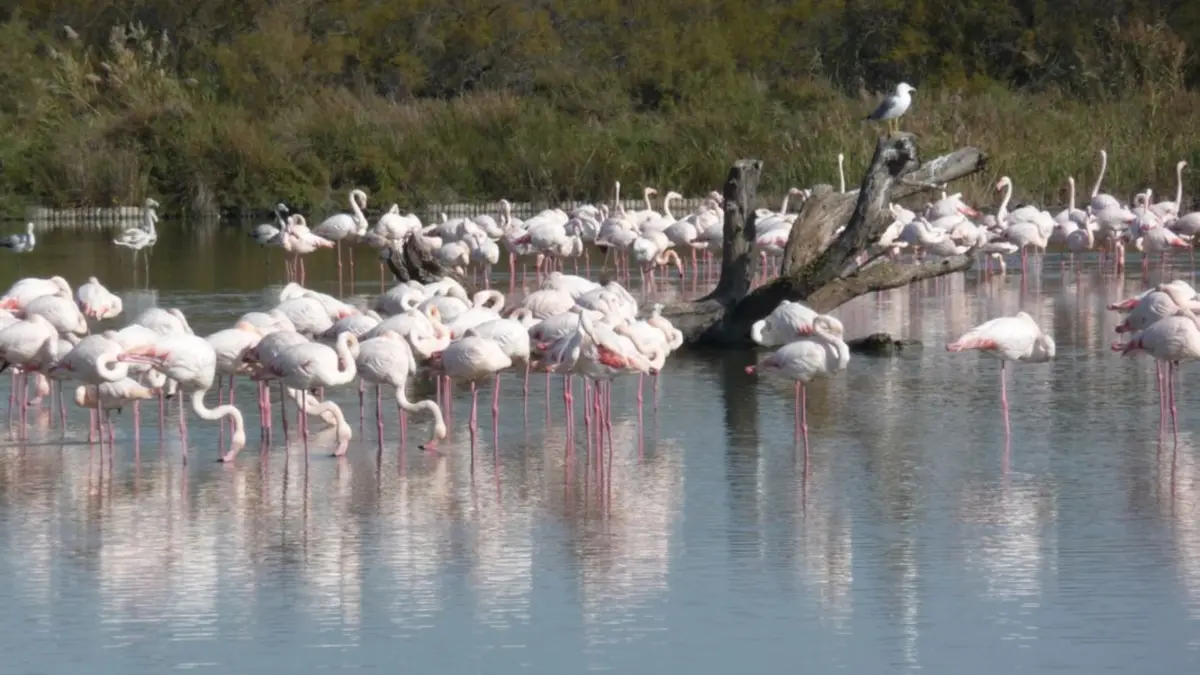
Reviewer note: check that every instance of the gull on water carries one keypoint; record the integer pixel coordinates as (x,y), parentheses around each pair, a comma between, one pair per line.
(20,243)
(893,106)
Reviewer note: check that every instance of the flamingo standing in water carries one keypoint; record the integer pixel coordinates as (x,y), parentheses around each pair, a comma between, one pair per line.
(298,240)
(96,301)
(820,352)
(1171,340)
(312,364)
(473,358)
(388,359)
(1008,338)
(192,363)
(111,396)
(94,362)
(348,227)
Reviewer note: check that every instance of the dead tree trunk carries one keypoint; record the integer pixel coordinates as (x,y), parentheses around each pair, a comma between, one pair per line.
(415,262)
(820,267)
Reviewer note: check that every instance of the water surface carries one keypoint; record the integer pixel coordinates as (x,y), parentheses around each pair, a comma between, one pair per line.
(914,539)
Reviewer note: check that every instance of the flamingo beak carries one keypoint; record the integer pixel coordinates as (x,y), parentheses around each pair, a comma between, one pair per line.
(143,354)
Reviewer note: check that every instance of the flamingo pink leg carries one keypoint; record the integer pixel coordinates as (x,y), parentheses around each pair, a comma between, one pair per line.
(1172,369)
(496,411)
(302,415)
(379,414)
(1004,400)
(183,426)
(283,411)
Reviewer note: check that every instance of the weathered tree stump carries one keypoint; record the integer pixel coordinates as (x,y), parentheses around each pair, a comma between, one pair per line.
(882,344)
(417,263)
(820,265)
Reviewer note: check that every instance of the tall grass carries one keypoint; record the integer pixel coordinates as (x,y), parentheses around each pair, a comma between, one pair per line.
(98,130)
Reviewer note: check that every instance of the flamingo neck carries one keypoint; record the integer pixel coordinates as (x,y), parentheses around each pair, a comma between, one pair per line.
(1002,212)
(1100,178)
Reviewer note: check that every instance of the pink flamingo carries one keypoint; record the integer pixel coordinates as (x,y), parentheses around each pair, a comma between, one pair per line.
(348,227)
(111,396)
(230,346)
(94,362)
(1170,340)
(1127,305)
(603,355)
(473,359)
(192,363)
(30,288)
(28,345)
(96,302)
(312,364)
(388,359)
(1009,338)
(260,358)
(820,352)
(298,240)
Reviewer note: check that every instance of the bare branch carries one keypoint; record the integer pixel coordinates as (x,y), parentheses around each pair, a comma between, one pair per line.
(882,277)
(737,257)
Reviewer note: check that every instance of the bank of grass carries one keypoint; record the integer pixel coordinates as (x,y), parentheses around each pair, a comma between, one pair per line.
(90,136)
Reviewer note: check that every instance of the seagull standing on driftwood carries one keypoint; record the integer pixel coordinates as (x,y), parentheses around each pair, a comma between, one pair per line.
(893,106)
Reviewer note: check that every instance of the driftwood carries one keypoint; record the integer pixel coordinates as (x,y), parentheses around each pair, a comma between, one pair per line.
(819,268)
(415,262)
(882,344)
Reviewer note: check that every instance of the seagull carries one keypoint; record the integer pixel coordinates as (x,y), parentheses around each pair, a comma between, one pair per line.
(892,107)
(20,243)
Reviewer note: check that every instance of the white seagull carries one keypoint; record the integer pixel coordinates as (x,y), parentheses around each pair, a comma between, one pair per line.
(892,107)
(20,243)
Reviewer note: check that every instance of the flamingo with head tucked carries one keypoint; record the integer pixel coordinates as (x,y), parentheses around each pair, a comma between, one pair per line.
(819,351)
(1009,338)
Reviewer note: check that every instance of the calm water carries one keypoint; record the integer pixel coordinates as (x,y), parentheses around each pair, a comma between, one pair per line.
(913,540)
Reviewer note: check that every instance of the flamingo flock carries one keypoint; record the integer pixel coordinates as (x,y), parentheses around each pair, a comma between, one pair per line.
(310,342)
(567,325)
(646,242)
(949,226)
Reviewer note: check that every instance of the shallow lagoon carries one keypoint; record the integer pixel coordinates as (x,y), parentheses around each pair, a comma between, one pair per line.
(916,538)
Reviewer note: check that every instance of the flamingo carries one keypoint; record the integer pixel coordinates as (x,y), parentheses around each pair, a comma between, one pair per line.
(165,322)
(230,347)
(1009,338)
(139,237)
(110,396)
(61,312)
(96,301)
(786,322)
(94,362)
(473,358)
(388,359)
(192,363)
(312,364)
(820,352)
(512,335)
(1185,290)
(29,345)
(1170,340)
(348,227)
(298,240)
(30,288)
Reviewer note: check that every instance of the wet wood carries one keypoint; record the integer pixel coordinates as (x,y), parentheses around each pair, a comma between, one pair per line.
(416,262)
(819,266)
(883,344)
